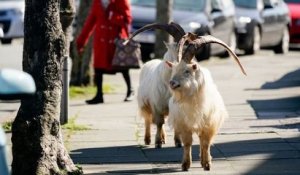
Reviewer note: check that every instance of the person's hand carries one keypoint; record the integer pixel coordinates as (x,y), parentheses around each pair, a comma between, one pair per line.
(80,47)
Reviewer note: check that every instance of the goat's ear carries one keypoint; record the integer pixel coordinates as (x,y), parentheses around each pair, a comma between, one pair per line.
(167,45)
(170,64)
(194,66)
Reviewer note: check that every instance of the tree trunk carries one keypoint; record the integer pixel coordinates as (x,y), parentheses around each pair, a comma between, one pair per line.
(81,72)
(38,147)
(163,15)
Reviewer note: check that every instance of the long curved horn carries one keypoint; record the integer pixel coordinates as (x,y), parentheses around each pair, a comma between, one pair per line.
(187,37)
(202,40)
(173,29)
(180,30)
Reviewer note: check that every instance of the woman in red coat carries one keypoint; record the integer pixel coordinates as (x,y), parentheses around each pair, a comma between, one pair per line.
(107,20)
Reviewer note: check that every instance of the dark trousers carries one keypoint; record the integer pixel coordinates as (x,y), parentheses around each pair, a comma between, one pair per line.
(99,81)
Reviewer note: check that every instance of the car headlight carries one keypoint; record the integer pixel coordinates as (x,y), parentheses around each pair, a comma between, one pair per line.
(190,26)
(242,21)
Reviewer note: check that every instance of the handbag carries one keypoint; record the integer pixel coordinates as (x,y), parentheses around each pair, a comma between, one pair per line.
(127,56)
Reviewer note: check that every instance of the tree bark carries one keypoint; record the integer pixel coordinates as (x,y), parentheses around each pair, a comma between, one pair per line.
(81,72)
(163,15)
(38,147)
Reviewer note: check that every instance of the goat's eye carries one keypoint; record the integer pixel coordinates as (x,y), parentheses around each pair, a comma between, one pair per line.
(187,72)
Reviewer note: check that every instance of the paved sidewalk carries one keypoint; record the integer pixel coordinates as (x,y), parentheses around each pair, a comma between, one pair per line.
(262,135)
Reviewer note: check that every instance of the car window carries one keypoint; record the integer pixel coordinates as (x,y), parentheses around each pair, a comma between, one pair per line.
(292,1)
(246,3)
(150,3)
(216,4)
(191,5)
(272,3)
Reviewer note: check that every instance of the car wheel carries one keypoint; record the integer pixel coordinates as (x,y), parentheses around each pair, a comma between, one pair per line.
(283,46)
(255,45)
(204,53)
(232,44)
(6,40)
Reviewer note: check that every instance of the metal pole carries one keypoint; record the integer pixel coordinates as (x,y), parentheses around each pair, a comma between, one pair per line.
(65,90)
(67,14)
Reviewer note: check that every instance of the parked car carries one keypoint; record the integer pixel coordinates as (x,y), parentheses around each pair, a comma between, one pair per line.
(11,19)
(14,84)
(262,23)
(214,17)
(294,7)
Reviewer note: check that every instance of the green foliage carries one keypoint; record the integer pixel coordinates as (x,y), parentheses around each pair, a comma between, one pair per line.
(72,126)
(7,126)
(87,91)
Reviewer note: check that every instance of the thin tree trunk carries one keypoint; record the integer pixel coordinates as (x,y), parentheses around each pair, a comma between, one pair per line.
(38,147)
(163,15)
(81,73)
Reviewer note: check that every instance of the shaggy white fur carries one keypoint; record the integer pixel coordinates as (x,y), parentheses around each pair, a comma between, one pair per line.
(196,106)
(153,94)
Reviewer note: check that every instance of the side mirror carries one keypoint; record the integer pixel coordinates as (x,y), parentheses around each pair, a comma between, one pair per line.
(15,84)
(268,6)
(214,10)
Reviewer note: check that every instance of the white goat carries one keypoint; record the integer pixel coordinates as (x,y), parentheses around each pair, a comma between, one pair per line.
(153,94)
(196,105)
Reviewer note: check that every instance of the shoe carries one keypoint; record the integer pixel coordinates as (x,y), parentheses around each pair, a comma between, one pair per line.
(95,100)
(129,96)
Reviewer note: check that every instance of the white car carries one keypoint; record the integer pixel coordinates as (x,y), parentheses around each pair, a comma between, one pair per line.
(11,20)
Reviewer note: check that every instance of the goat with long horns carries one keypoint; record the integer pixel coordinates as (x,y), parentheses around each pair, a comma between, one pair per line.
(153,93)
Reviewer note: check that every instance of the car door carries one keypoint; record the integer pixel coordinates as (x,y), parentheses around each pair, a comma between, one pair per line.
(223,22)
(270,25)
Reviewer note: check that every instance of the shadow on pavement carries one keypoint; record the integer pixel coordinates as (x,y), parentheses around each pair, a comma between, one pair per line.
(276,108)
(285,107)
(283,156)
(146,171)
(265,156)
(7,110)
(291,79)
(270,156)
(135,154)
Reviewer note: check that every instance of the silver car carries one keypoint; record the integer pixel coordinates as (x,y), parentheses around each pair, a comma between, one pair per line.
(11,20)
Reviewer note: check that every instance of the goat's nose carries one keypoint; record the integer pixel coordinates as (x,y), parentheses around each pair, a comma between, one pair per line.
(174,84)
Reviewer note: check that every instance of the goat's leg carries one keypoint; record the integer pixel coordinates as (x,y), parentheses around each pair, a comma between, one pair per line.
(160,133)
(206,137)
(163,134)
(177,139)
(148,122)
(160,136)
(187,140)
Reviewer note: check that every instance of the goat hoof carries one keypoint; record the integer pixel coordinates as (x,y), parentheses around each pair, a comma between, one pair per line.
(147,141)
(178,145)
(185,167)
(158,145)
(206,167)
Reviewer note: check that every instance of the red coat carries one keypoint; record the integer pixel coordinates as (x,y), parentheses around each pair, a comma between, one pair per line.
(106,25)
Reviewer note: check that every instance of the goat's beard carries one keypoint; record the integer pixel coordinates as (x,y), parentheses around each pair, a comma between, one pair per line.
(187,91)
